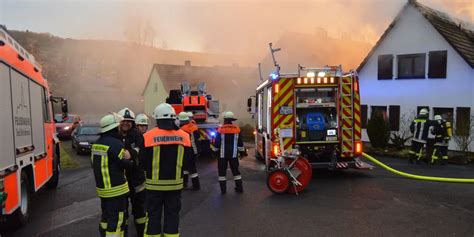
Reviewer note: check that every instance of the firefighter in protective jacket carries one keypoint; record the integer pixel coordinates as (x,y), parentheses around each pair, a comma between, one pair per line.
(109,161)
(443,133)
(419,128)
(133,140)
(163,157)
(141,122)
(190,169)
(229,143)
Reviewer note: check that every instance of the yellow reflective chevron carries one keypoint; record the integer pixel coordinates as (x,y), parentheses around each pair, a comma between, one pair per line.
(113,191)
(105,171)
(179,162)
(120,155)
(99,148)
(171,235)
(155,168)
(155,183)
(164,187)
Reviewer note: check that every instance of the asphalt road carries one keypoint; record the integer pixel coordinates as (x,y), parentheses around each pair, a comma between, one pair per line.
(337,203)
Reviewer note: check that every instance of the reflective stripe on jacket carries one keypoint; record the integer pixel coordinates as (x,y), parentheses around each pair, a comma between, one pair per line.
(228,140)
(163,157)
(192,130)
(109,167)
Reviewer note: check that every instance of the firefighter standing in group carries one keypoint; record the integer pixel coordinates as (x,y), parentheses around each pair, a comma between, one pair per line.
(229,143)
(443,133)
(190,169)
(109,160)
(419,128)
(133,140)
(141,122)
(163,157)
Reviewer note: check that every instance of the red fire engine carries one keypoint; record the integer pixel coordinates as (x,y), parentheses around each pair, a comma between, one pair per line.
(29,147)
(204,108)
(313,114)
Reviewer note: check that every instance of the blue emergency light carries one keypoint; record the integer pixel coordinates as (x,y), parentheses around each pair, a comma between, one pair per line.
(213,134)
(274,76)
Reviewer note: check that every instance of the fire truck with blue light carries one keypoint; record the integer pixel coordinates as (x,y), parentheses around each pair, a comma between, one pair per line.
(29,148)
(205,110)
(305,120)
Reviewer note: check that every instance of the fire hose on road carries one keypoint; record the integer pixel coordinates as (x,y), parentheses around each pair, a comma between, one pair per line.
(419,177)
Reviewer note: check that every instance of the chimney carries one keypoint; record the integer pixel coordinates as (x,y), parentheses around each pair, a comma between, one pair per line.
(187,63)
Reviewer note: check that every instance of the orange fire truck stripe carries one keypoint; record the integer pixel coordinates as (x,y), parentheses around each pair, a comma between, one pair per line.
(346,134)
(357,117)
(346,89)
(346,112)
(346,101)
(282,96)
(282,119)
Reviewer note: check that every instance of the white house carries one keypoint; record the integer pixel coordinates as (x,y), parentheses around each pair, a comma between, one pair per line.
(424,59)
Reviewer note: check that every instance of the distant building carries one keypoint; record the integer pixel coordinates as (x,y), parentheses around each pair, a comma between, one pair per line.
(221,82)
(424,59)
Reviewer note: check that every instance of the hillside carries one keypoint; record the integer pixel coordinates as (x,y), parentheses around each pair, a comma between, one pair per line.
(99,76)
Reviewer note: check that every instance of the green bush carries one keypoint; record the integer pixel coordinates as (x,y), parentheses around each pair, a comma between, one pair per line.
(378,131)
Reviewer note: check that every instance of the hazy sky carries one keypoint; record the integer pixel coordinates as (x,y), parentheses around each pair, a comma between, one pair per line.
(238,26)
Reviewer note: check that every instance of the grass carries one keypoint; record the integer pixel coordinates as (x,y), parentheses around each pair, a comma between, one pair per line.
(67,162)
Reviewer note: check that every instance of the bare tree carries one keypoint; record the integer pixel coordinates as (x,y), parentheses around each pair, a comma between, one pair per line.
(400,137)
(138,28)
(464,134)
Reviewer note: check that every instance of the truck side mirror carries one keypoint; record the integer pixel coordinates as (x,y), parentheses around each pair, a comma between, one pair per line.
(249,102)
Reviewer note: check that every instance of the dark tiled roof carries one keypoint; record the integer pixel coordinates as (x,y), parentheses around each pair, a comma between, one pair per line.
(173,75)
(460,38)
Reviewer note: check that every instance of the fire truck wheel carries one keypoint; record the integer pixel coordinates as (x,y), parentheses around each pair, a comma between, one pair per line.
(53,182)
(21,215)
(278,181)
(304,178)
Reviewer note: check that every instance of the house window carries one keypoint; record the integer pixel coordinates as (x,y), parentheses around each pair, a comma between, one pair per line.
(394,117)
(446,113)
(463,121)
(364,115)
(438,61)
(379,109)
(156,87)
(411,66)
(385,66)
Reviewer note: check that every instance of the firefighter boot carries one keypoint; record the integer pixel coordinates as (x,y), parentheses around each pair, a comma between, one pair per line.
(238,186)
(196,184)
(223,186)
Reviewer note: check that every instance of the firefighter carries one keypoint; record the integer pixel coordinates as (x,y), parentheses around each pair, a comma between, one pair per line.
(190,169)
(229,142)
(141,122)
(133,140)
(163,157)
(109,160)
(443,133)
(191,118)
(419,129)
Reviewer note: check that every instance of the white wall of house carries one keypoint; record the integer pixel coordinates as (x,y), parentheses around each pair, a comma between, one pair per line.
(155,93)
(414,34)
